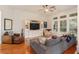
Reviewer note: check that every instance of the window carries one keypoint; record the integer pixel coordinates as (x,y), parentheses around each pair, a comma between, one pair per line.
(63,25)
(73,26)
(55,26)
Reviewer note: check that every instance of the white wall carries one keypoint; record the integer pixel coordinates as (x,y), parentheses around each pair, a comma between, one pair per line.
(18,18)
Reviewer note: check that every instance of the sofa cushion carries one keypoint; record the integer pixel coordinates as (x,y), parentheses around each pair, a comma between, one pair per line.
(42,40)
(47,33)
(52,42)
(36,40)
(55,49)
(40,49)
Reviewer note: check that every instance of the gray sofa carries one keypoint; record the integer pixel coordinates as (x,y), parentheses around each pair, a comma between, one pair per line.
(53,46)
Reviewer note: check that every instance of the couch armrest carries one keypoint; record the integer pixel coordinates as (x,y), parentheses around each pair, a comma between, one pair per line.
(39,49)
(55,49)
(43,46)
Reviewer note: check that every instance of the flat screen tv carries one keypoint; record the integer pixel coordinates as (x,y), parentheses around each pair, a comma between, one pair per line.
(34,26)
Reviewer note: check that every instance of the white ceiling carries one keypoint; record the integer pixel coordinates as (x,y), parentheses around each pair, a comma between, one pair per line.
(36,8)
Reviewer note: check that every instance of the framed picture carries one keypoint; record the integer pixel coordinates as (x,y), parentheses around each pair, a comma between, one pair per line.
(45,24)
(8,24)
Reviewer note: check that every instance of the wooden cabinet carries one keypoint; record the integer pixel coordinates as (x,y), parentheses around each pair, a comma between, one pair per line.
(6,39)
(12,39)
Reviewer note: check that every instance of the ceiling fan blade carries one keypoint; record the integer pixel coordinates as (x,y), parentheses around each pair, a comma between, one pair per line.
(44,6)
(41,10)
(51,10)
(52,7)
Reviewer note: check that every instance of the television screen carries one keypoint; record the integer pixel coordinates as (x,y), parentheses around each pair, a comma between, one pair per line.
(34,26)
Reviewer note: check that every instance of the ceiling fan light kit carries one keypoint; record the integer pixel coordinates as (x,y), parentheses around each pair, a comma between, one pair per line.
(46,10)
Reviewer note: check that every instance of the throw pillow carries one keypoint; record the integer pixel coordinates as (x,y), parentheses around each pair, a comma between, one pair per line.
(42,40)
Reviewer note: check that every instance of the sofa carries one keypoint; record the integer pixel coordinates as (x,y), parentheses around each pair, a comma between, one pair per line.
(55,45)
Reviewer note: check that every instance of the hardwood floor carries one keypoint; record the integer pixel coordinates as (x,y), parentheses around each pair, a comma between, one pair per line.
(14,49)
(71,50)
(25,49)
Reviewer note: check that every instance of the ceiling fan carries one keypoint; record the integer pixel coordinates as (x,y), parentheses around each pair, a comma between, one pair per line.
(48,8)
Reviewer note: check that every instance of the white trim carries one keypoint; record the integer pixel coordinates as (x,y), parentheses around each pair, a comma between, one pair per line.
(0,27)
(78,31)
